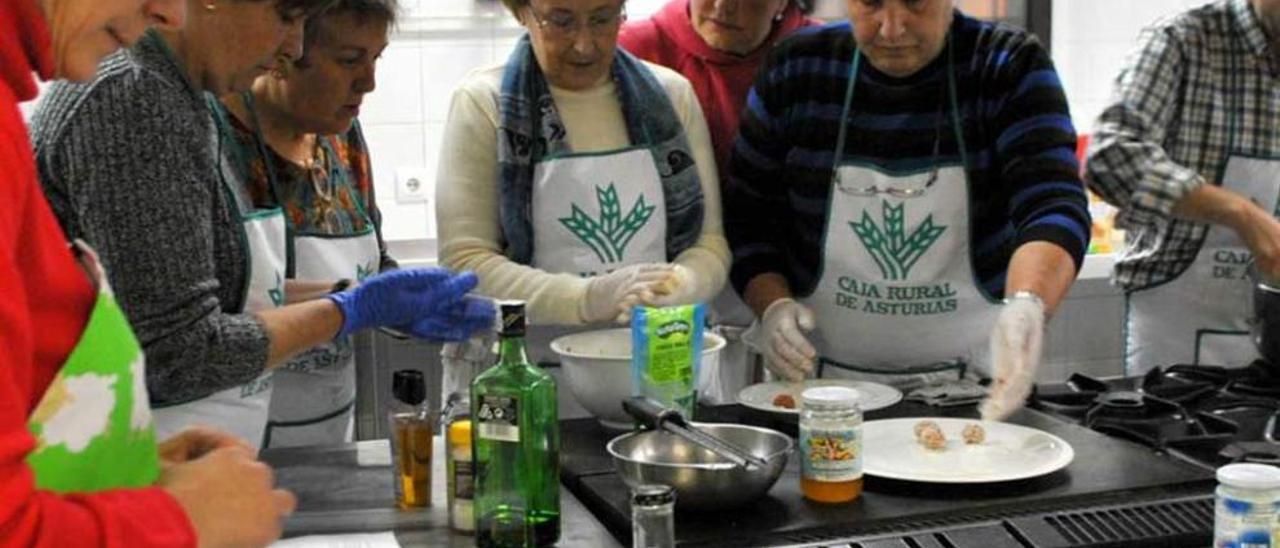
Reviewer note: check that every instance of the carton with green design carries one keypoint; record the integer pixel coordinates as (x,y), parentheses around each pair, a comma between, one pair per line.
(667,350)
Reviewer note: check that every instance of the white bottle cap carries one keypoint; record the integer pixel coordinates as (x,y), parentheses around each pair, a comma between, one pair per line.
(830,396)
(1250,476)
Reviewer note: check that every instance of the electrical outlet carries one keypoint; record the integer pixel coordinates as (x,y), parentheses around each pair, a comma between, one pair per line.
(412,185)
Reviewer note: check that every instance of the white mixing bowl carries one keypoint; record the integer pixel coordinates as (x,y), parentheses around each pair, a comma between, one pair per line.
(597,365)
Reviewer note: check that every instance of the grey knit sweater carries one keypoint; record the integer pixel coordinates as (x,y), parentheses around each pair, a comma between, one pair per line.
(128,162)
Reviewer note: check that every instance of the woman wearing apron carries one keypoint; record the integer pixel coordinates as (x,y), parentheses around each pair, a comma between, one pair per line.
(719,46)
(950,186)
(1196,182)
(80,463)
(578,178)
(297,133)
(198,267)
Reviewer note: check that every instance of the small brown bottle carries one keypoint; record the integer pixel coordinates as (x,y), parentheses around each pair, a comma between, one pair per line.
(411,429)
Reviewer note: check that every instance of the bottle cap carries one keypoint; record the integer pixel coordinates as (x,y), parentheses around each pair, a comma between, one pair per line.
(653,494)
(409,386)
(460,432)
(830,396)
(512,313)
(1250,476)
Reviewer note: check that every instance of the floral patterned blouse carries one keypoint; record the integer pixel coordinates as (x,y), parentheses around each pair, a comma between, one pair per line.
(336,198)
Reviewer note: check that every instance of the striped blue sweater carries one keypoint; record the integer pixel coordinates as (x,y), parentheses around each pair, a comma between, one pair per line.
(1023,174)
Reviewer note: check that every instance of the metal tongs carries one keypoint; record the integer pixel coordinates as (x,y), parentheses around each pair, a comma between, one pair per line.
(654,415)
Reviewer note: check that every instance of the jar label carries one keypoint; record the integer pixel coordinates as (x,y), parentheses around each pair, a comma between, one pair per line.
(831,455)
(464,485)
(1242,523)
(499,418)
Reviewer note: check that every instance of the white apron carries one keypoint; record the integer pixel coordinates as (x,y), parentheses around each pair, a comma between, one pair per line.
(316,406)
(592,214)
(241,410)
(1202,315)
(314,394)
(896,301)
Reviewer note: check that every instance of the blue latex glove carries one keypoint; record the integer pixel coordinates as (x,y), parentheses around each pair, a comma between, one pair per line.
(457,322)
(403,298)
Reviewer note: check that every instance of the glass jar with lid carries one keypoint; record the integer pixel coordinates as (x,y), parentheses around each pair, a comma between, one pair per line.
(830,444)
(1247,500)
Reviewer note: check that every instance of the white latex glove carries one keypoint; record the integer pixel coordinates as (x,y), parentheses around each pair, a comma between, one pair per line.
(1015,356)
(779,336)
(606,294)
(677,288)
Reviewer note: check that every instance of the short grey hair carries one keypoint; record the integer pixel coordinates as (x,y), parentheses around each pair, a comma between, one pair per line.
(365,11)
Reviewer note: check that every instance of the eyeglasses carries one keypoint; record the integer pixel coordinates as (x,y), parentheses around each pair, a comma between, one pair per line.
(901,193)
(562,24)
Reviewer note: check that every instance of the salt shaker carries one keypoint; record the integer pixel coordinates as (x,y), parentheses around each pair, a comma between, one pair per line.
(653,516)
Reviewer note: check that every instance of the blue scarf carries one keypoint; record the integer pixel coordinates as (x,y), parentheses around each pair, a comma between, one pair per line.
(529,129)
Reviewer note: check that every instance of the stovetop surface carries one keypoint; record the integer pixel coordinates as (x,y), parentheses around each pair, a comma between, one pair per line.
(1209,416)
(1105,470)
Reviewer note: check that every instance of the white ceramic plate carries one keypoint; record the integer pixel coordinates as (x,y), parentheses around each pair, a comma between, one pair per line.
(1010,452)
(760,396)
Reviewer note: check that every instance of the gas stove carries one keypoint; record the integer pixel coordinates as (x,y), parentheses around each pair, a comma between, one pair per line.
(1114,494)
(1206,415)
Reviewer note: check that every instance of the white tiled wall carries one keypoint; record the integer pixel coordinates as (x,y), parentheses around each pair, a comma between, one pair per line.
(437,44)
(1091,39)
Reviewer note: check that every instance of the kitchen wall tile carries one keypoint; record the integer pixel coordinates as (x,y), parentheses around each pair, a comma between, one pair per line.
(434,132)
(398,98)
(391,147)
(444,65)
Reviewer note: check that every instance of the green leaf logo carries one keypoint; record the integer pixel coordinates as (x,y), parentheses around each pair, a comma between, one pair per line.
(276,294)
(608,237)
(892,250)
(363,271)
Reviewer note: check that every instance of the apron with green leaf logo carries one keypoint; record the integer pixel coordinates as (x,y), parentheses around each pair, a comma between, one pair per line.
(93,425)
(240,410)
(596,212)
(592,214)
(896,300)
(1202,315)
(313,396)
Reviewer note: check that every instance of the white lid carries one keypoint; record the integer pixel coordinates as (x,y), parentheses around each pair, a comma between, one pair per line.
(1250,476)
(830,395)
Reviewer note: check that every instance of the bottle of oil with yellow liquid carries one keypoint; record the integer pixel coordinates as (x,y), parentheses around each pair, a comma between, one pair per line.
(411,421)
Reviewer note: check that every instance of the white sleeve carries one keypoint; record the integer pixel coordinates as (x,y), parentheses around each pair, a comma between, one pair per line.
(709,256)
(467,212)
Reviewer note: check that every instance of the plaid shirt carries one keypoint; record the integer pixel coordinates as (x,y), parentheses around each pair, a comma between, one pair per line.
(1199,81)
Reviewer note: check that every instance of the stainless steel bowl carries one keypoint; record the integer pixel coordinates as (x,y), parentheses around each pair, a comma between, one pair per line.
(702,479)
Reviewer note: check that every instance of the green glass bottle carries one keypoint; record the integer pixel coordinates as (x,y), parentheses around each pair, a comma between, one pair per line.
(516,445)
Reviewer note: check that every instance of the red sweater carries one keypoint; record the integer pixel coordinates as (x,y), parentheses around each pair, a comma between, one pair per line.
(45,300)
(720,79)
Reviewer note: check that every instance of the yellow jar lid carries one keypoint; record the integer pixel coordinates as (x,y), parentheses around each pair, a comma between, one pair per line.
(460,432)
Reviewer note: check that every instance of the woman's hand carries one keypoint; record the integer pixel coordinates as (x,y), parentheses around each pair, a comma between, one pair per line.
(230,498)
(195,442)
(606,298)
(425,302)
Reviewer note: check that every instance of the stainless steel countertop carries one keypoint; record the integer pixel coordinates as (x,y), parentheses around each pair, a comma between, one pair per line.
(348,489)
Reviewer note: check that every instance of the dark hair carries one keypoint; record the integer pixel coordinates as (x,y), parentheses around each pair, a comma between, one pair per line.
(308,8)
(365,11)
